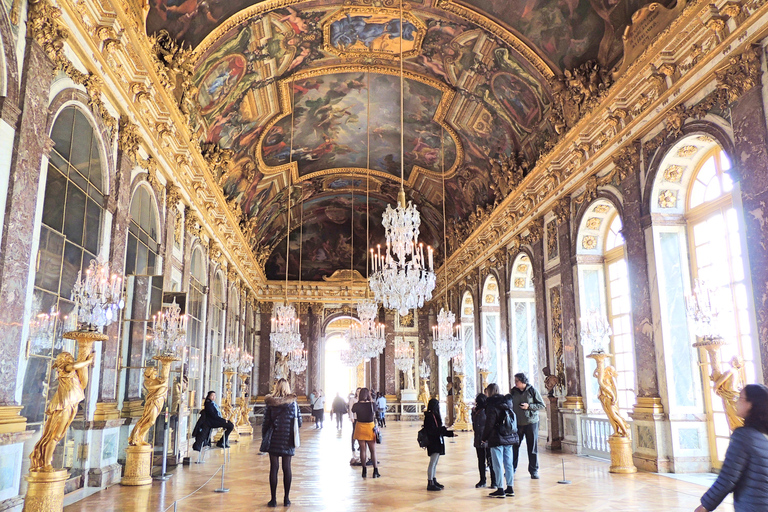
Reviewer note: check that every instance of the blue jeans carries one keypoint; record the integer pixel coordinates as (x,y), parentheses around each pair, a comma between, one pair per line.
(502,455)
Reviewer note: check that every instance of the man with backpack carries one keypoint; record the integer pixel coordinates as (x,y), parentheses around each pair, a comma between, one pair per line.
(500,434)
(528,402)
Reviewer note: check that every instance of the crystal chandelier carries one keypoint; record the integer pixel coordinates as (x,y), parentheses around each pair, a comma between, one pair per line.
(245,363)
(350,357)
(231,358)
(367,337)
(403,356)
(595,332)
(483,359)
(424,370)
(285,335)
(445,342)
(458,362)
(97,297)
(703,307)
(169,330)
(297,361)
(401,278)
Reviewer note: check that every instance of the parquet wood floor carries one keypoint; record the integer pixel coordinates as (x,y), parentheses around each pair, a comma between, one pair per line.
(324,480)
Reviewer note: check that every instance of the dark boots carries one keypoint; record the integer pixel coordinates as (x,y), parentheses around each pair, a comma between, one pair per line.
(434,481)
(376,473)
(432,487)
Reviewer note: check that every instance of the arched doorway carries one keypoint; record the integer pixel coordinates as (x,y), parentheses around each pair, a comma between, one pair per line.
(490,321)
(522,312)
(337,377)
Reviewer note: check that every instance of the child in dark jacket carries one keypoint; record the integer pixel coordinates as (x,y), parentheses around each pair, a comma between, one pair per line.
(433,426)
(483,453)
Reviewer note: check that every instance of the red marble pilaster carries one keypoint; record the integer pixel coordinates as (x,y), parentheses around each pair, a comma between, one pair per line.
(30,145)
(568,305)
(265,349)
(390,373)
(751,141)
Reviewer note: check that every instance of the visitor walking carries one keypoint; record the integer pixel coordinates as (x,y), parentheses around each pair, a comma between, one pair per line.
(311,398)
(481,447)
(500,433)
(282,409)
(365,415)
(435,430)
(214,419)
(318,409)
(381,409)
(352,401)
(339,408)
(745,468)
(527,404)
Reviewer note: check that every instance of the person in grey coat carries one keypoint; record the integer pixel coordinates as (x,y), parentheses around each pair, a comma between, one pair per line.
(745,469)
(527,404)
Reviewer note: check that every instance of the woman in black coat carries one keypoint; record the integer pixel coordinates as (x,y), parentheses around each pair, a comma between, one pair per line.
(483,453)
(745,469)
(433,426)
(282,408)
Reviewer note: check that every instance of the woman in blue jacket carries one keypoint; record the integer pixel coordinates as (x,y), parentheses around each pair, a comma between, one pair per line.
(745,469)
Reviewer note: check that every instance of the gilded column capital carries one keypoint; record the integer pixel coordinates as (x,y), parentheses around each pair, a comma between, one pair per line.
(741,74)
(562,210)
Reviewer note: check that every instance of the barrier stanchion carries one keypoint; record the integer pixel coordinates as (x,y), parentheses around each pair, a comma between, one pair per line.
(222,488)
(164,475)
(175,504)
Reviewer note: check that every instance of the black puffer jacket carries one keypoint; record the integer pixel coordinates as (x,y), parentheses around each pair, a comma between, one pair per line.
(744,472)
(493,411)
(435,429)
(280,414)
(478,423)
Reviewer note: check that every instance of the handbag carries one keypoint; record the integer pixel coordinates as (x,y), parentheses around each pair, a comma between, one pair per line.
(296,438)
(377,432)
(266,440)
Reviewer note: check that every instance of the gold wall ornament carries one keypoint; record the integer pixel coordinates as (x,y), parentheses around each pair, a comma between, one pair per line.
(589,242)
(742,73)
(620,441)
(626,161)
(576,93)
(667,199)
(601,208)
(593,223)
(687,151)
(243,426)
(674,173)
(725,384)
(44,26)
(128,138)
(552,241)
(461,408)
(557,332)
(156,385)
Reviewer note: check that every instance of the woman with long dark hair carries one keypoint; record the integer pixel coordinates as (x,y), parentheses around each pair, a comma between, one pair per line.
(282,409)
(481,448)
(745,469)
(433,426)
(365,413)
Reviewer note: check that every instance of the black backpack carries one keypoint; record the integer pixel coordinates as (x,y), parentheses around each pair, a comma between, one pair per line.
(422,438)
(507,423)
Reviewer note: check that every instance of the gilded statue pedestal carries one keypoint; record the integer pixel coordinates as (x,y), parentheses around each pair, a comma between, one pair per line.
(138,465)
(621,455)
(462,409)
(45,491)
(484,378)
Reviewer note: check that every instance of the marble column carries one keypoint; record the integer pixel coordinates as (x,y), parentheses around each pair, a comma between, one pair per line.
(265,349)
(315,347)
(751,141)
(17,244)
(568,302)
(310,345)
(504,333)
(390,373)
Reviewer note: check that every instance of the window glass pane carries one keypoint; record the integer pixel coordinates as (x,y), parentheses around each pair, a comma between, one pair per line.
(92,226)
(72,264)
(53,205)
(75,215)
(81,144)
(697,194)
(94,175)
(62,131)
(49,260)
(130,257)
(141,259)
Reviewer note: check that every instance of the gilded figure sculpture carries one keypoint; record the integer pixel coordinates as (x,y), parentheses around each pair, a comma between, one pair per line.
(62,408)
(725,384)
(154,400)
(424,395)
(609,396)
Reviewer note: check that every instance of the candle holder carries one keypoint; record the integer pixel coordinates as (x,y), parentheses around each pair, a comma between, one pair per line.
(297,361)
(483,359)
(463,421)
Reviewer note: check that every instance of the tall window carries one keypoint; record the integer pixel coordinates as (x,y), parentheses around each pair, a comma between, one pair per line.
(499,371)
(522,309)
(143,244)
(716,257)
(216,334)
(195,304)
(467,320)
(618,313)
(70,237)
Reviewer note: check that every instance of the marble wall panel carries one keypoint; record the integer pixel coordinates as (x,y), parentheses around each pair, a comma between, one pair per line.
(568,308)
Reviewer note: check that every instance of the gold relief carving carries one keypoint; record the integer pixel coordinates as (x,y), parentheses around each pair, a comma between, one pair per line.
(467,311)
(594,223)
(191,224)
(741,74)
(552,242)
(674,173)
(535,233)
(589,242)
(731,9)
(303,308)
(522,268)
(562,210)
(519,282)
(626,160)
(557,332)
(45,492)
(675,118)
(492,286)
(508,173)
(490,298)
(138,464)
(706,139)
(217,158)
(687,151)
(590,191)
(667,199)
(601,208)
(576,93)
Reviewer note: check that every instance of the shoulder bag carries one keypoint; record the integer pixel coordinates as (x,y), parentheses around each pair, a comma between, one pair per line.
(376,429)
(296,438)
(266,437)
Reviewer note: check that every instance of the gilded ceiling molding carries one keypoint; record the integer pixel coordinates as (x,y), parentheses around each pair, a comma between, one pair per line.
(284,94)
(502,33)
(562,210)
(191,224)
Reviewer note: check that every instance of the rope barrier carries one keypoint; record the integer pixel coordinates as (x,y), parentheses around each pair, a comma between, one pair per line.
(174,504)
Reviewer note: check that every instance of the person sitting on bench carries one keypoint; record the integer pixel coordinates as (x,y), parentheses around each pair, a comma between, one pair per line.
(214,419)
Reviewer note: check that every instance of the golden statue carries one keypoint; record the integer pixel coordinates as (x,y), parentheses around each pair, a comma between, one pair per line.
(725,384)
(154,400)
(424,395)
(609,397)
(461,409)
(73,377)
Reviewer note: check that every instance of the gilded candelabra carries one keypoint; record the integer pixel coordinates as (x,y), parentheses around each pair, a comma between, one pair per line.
(244,426)
(463,421)
(228,411)
(620,441)
(725,384)
(483,359)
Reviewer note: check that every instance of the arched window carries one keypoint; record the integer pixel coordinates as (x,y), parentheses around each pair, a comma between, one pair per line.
(195,312)
(70,237)
(604,292)
(499,371)
(522,314)
(467,321)
(716,257)
(143,241)
(216,324)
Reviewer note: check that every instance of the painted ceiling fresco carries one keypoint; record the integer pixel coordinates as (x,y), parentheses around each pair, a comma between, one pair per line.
(305,69)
